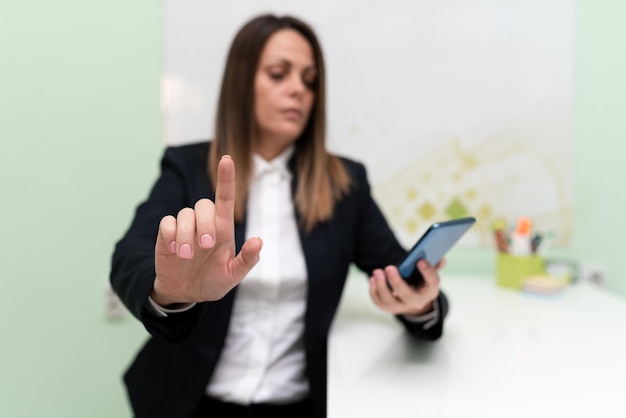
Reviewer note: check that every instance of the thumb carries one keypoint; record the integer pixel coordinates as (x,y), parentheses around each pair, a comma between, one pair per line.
(247,258)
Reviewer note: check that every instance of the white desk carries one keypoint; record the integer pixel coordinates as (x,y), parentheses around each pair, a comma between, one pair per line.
(503,354)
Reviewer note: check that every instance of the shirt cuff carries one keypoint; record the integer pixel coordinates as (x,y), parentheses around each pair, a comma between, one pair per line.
(159,311)
(428,319)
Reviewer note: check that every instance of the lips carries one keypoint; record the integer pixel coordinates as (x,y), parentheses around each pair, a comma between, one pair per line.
(292,113)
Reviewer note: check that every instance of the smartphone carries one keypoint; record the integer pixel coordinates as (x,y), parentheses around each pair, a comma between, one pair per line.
(432,246)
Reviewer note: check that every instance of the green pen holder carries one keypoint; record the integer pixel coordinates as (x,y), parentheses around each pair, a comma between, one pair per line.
(511,270)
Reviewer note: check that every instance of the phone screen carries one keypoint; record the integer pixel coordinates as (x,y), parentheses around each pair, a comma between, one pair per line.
(432,246)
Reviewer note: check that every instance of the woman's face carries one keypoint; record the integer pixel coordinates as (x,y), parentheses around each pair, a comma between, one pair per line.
(283,91)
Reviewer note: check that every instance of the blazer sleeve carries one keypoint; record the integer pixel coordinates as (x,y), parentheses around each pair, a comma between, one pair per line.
(376,246)
(434,332)
(132,268)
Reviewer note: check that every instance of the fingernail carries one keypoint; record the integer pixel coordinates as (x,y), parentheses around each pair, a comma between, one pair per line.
(185,251)
(226,156)
(206,241)
(173,247)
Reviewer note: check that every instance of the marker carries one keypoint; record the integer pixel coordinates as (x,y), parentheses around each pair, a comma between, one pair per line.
(500,236)
(501,241)
(521,237)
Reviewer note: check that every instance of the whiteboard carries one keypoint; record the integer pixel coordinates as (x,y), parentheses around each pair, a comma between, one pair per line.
(455,107)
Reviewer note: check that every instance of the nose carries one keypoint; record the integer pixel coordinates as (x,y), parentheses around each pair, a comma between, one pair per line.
(296,85)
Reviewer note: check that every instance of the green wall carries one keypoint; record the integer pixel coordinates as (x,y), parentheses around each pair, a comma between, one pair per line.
(600,162)
(80,128)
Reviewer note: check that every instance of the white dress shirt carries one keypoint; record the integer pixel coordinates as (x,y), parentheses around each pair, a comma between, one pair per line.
(263,359)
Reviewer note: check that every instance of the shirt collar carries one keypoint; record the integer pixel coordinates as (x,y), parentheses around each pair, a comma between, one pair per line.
(279,163)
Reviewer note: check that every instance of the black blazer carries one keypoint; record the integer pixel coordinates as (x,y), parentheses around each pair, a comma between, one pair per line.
(170,374)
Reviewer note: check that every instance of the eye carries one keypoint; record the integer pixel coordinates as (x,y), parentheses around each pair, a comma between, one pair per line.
(309,79)
(277,75)
(276,72)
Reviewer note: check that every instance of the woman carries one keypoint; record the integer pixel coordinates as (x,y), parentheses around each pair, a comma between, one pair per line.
(236,331)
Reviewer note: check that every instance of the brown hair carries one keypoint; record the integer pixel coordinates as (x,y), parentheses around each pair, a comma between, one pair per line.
(322,178)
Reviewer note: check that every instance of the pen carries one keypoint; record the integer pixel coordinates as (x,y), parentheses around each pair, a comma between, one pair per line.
(535,242)
(546,243)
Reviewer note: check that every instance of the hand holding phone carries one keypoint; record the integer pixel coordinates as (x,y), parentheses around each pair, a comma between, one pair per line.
(432,246)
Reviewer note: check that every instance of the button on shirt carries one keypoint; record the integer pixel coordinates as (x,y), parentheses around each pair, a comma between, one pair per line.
(263,358)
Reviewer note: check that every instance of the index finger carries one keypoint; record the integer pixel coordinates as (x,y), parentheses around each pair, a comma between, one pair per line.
(225,199)
(441,264)
(428,272)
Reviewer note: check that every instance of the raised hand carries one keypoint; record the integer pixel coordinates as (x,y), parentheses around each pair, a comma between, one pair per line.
(195,256)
